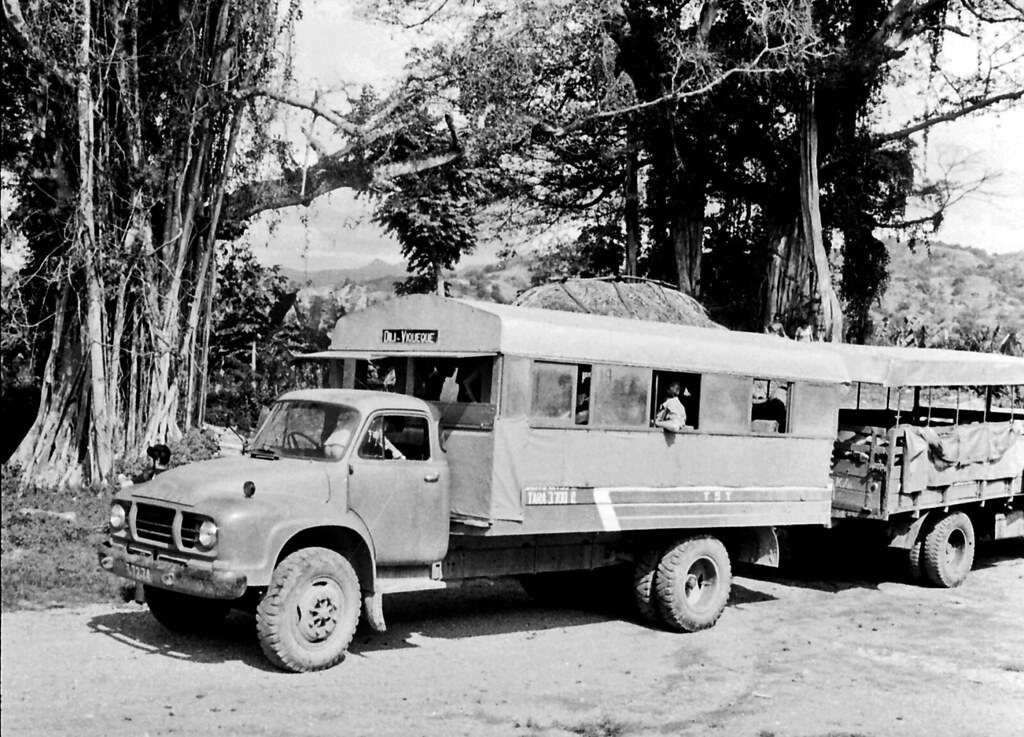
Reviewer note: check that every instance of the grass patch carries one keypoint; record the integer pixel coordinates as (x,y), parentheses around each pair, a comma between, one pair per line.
(47,546)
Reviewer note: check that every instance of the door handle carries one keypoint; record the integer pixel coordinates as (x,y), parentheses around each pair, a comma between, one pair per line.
(432,478)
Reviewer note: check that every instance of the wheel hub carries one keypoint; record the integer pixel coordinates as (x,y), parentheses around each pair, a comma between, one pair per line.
(317,610)
(700,582)
(956,547)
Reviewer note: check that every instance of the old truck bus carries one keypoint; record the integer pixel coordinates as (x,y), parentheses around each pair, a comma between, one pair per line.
(930,453)
(467,440)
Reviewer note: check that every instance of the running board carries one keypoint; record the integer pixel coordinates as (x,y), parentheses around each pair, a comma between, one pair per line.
(408,583)
(409,578)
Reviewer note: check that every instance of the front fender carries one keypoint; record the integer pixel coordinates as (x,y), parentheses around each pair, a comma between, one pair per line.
(253,541)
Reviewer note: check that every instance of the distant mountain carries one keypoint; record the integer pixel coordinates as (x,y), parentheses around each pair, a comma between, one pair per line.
(373,271)
(945,287)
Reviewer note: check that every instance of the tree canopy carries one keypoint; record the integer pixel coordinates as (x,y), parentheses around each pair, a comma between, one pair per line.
(736,148)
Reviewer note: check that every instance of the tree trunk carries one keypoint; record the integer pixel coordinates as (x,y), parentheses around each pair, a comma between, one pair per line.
(101,439)
(632,203)
(810,220)
(687,233)
(789,280)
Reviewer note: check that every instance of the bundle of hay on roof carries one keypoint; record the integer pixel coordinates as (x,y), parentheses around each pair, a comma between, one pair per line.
(639,299)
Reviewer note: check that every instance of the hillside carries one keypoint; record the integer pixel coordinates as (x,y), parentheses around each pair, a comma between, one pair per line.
(946,287)
(943,287)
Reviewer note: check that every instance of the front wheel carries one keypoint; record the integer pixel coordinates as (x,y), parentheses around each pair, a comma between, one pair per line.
(308,616)
(692,583)
(948,552)
(184,613)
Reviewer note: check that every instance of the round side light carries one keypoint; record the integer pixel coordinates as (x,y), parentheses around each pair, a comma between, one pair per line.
(248,489)
(118,517)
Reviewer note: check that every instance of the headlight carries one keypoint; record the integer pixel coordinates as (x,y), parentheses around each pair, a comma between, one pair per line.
(208,534)
(118,517)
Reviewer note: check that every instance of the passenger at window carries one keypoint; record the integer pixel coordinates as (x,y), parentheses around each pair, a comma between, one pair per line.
(671,414)
(583,409)
(390,380)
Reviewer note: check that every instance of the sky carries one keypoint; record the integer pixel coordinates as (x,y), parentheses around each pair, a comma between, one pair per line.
(333,43)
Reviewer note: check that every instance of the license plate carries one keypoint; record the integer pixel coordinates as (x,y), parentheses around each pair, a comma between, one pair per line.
(139,573)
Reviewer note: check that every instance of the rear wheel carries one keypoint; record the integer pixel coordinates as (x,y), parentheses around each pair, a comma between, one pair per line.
(644,575)
(185,613)
(692,583)
(308,616)
(948,551)
(914,561)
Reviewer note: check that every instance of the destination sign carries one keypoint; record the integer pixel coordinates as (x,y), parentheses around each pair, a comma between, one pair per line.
(406,337)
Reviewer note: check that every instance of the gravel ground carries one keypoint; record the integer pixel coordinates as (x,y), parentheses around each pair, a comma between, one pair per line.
(855,653)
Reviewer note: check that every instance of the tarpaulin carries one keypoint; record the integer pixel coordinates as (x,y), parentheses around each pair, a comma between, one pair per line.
(937,457)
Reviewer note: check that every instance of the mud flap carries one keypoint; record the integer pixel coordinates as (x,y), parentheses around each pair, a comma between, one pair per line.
(759,546)
(904,534)
(373,611)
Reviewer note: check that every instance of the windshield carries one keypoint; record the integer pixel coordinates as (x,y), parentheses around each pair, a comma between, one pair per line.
(304,429)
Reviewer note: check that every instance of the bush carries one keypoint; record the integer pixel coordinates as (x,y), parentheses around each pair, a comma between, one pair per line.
(47,544)
(194,445)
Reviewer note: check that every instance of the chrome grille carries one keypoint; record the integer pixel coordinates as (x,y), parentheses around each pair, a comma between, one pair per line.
(154,524)
(189,530)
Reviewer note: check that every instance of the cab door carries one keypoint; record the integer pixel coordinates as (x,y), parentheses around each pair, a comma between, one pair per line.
(398,485)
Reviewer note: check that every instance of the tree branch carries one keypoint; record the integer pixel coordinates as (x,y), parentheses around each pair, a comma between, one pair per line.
(26,40)
(751,68)
(952,115)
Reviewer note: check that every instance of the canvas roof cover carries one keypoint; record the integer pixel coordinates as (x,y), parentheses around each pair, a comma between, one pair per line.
(893,366)
(437,325)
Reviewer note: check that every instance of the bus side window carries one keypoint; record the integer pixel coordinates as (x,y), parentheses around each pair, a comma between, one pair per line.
(769,406)
(683,387)
(557,389)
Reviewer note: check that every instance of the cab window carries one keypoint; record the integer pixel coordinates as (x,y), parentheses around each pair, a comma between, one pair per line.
(394,437)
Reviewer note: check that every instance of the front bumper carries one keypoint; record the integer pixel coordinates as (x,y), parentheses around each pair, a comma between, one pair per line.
(170,574)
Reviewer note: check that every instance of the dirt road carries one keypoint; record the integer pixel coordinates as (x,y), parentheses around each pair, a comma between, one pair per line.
(856,654)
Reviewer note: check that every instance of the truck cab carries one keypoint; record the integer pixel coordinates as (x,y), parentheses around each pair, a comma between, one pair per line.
(360,476)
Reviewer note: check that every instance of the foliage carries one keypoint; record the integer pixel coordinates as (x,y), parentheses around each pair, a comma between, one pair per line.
(256,322)
(431,213)
(708,96)
(126,127)
(597,251)
(195,445)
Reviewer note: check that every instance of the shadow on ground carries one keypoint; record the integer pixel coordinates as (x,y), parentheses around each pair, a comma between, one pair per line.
(484,608)
(233,641)
(832,562)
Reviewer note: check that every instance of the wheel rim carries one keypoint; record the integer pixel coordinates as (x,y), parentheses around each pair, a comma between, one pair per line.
(700,583)
(318,609)
(956,550)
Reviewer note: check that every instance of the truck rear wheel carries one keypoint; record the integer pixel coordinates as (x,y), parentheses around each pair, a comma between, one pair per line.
(692,583)
(183,613)
(644,575)
(308,616)
(914,561)
(948,552)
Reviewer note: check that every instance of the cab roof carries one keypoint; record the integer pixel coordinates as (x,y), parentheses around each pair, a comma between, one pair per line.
(361,399)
